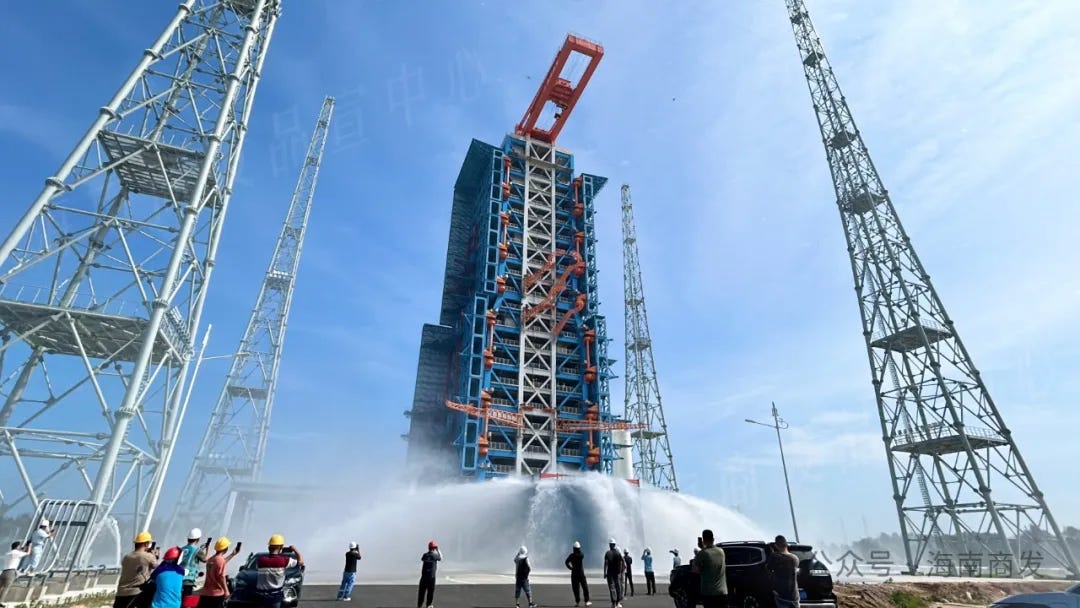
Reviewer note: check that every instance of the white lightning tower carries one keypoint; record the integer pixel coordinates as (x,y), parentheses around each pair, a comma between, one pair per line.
(652,451)
(224,480)
(105,275)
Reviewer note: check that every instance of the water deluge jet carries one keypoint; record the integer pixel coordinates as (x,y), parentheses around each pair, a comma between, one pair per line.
(479,526)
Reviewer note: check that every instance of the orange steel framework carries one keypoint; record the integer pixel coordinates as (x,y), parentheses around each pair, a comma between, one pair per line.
(559,91)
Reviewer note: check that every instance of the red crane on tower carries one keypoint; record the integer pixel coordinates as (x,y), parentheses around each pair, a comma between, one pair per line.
(560,91)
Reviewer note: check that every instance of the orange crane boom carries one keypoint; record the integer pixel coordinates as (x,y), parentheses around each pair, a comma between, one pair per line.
(559,91)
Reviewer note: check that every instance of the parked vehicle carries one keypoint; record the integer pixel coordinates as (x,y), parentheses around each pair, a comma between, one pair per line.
(242,586)
(748,578)
(1070,598)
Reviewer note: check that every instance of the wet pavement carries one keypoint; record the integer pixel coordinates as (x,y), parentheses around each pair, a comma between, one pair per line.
(478,596)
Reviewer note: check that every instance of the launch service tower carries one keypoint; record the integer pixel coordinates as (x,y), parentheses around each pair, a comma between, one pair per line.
(513,380)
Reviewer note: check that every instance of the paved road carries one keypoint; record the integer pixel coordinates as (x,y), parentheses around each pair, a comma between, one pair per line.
(477,596)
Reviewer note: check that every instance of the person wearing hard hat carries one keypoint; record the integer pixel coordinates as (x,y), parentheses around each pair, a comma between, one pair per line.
(168,580)
(215,589)
(429,566)
(191,555)
(650,576)
(575,563)
(271,567)
(676,561)
(348,577)
(41,537)
(521,577)
(613,573)
(135,570)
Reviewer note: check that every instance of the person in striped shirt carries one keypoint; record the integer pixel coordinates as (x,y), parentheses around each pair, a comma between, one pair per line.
(270,570)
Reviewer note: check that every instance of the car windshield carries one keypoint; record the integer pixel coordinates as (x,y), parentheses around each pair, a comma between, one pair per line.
(1074,589)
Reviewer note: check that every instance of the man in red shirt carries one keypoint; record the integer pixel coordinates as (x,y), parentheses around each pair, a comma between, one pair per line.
(215,591)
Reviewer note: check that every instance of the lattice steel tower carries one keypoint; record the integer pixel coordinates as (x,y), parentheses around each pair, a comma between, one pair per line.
(105,274)
(224,479)
(942,431)
(652,452)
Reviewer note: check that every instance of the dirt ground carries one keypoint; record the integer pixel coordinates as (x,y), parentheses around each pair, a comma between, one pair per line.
(935,595)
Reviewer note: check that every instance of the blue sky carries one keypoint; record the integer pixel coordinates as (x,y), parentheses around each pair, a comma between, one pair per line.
(968,108)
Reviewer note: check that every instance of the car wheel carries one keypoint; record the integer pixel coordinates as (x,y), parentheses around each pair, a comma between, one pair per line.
(751,602)
(679,597)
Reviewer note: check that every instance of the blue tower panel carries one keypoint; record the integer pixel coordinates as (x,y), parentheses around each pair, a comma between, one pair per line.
(520,304)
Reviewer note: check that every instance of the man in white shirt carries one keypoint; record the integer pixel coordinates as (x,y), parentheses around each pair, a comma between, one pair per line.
(37,544)
(11,568)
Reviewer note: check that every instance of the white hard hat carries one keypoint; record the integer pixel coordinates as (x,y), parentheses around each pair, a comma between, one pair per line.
(611,541)
(353,545)
(195,533)
(675,551)
(577,545)
(523,551)
(648,550)
(44,522)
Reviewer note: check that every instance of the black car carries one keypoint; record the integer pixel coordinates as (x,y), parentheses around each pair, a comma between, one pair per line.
(242,586)
(748,578)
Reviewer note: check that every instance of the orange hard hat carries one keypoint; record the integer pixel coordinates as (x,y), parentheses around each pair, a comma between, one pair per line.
(431,545)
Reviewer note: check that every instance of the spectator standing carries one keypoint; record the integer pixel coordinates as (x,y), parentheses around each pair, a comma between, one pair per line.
(215,590)
(270,570)
(429,566)
(676,561)
(168,579)
(521,577)
(348,577)
(613,573)
(710,567)
(783,568)
(629,575)
(191,555)
(135,570)
(575,563)
(650,577)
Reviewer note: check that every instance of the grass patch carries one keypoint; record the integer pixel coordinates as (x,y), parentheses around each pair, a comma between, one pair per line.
(903,599)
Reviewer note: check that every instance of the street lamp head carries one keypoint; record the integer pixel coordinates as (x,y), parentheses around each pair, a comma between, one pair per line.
(751,421)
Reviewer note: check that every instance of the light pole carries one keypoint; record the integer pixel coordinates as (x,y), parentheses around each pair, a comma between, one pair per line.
(778,424)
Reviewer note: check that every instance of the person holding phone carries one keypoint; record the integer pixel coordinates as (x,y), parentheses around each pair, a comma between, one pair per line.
(135,570)
(191,555)
(215,590)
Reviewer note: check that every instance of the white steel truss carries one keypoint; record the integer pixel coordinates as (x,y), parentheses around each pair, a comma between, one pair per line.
(959,481)
(537,440)
(105,275)
(224,479)
(653,463)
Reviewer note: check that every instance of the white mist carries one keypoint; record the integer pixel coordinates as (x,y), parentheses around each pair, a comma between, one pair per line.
(479,526)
